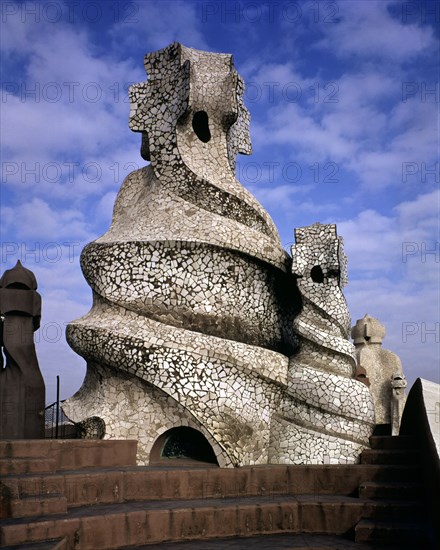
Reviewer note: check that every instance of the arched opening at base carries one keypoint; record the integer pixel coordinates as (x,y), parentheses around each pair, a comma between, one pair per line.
(182,445)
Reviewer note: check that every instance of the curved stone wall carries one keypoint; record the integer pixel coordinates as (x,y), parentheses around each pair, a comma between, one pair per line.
(229,387)
(421,422)
(196,286)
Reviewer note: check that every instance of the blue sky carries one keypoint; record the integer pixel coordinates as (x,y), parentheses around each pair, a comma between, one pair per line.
(344,99)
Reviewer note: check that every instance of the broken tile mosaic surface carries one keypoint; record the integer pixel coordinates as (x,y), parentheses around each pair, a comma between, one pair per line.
(199,316)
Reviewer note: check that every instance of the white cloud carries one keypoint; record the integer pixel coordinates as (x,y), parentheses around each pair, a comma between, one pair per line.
(287,198)
(383,147)
(157,24)
(375,242)
(54,355)
(36,219)
(80,100)
(104,208)
(312,138)
(408,315)
(368,29)
(393,279)
(424,211)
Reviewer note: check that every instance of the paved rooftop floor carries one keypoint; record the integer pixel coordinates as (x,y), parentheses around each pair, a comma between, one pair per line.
(272,542)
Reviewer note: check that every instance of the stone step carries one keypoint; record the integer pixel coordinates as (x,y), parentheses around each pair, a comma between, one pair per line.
(407,532)
(106,486)
(71,454)
(272,542)
(392,472)
(59,544)
(393,442)
(43,505)
(114,526)
(387,456)
(17,466)
(24,448)
(96,454)
(390,490)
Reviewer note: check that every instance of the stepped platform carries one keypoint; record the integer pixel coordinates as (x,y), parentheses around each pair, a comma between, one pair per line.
(48,455)
(90,495)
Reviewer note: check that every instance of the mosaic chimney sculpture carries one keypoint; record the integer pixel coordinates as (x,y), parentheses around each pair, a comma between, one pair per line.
(327,415)
(398,400)
(22,390)
(381,365)
(194,300)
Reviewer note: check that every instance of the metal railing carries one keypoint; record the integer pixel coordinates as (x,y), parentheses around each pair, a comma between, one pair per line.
(57,424)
